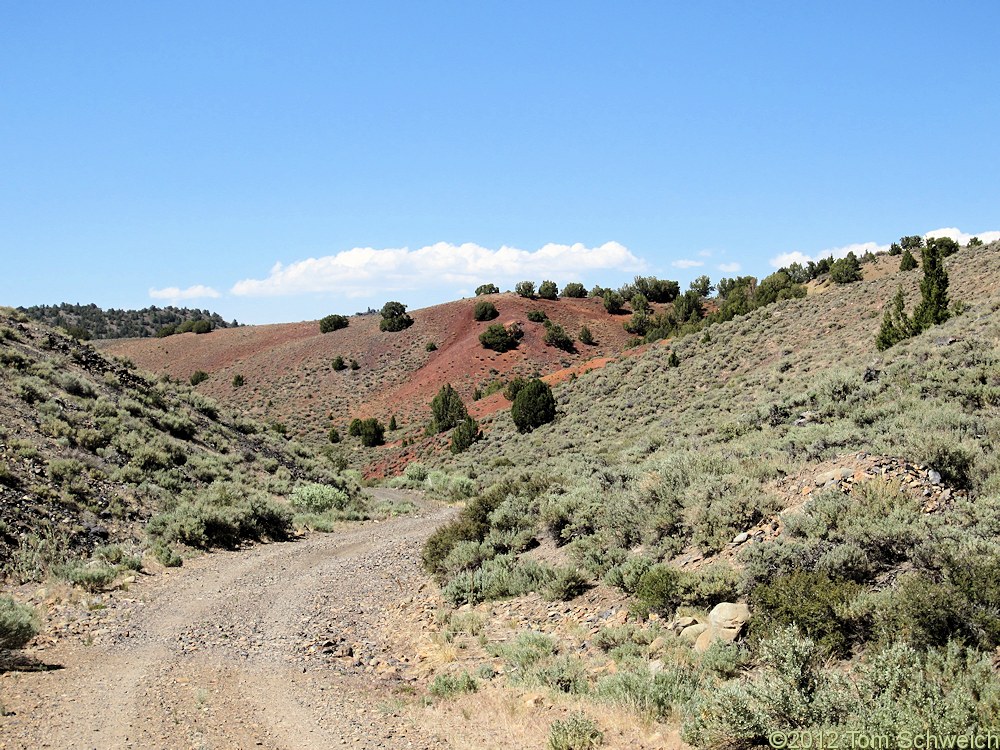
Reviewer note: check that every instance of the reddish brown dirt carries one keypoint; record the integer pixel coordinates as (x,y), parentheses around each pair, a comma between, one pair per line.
(288,373)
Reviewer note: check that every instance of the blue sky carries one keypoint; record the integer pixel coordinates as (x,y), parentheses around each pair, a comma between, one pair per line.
(158,153)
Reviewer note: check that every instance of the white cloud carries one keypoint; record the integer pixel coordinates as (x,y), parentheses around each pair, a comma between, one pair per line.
(730,267)
(354,272)
(704,253)
(858,248)
(685,263)
(173,293)
(961,237)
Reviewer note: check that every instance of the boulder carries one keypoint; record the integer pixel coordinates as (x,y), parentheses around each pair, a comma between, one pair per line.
(692,632)
(725,623)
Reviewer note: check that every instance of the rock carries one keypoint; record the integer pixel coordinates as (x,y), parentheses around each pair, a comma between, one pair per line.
(728,615)
(725,623)
(835,475)
(692,632)
(740,538)
(682,622)
(933,477)
(657,645)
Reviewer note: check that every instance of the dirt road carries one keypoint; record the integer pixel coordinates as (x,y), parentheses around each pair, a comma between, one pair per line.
(279,646)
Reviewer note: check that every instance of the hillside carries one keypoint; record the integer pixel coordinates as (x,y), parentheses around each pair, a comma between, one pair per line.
(830,508)
(289,377)
(91,322)
(94,452)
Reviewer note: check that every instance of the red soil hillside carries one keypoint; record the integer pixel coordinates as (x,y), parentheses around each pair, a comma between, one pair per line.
(289,376)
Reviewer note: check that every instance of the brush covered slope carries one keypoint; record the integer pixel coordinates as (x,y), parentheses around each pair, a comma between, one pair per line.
(96,456)
(91,322)
(849,497)
(287,372)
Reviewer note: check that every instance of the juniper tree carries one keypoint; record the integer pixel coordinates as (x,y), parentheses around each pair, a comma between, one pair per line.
(907,262)
(533,406)
(896,326)
(465,434)
(933,307)
(447,410)
(548,290)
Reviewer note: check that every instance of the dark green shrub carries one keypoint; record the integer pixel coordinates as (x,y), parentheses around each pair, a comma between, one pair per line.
(896,326)
(548,290)
(487,289)
(557,337)
(202,326)
(333,323)
(568,584)
(372,433)
(537,316)
(238,381)
(658,590)
(198,376)
(339,363)
(846,270)
(525,289)
(933,307)
(392,424)
(498,338)
(333,435)
(431,346)
(354,428)
(464,435)
(923,613)
(18,623)
(514,387)
(166,556)
(447,410)
(907,262)
(354,364)
(673,360)
(533,406)
(485,311)
(586,337)
(811,600)
(613,302)
(944,246)
(394,317)
(574,289)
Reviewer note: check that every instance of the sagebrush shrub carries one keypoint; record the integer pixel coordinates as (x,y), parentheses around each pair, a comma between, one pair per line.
(18,623)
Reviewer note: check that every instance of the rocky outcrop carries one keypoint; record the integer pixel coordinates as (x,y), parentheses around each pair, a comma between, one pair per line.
(725,623)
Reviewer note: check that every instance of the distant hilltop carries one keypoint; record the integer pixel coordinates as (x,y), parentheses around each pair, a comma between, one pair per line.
(91,322)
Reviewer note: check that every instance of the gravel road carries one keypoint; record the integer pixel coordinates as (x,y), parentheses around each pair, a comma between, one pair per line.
(284,645)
